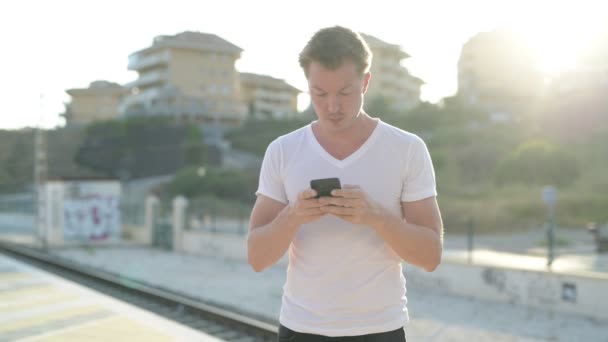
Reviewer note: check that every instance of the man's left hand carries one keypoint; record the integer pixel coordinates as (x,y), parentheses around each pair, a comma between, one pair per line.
(352,204)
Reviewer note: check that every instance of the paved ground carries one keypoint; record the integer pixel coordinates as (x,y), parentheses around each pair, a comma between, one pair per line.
(229,282)
(38,306)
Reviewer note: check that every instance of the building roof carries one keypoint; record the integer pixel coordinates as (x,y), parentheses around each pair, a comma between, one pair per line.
(266,82)
(499,40)
(99,87)
(207,42)
(376,43)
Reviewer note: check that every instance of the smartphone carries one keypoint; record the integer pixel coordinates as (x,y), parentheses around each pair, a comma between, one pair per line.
(324,186)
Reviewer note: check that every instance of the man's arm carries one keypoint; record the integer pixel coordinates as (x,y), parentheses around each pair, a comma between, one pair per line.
(273,225)
(417,237)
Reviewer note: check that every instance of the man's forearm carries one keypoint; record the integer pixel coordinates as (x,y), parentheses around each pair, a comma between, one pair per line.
(417,245)
(267,244)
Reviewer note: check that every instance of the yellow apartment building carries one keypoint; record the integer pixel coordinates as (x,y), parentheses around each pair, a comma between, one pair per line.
(190,75)
(390,79)
(268,97)
(100,101)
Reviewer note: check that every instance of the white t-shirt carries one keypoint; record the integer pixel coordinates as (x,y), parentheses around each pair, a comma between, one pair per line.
(342,278)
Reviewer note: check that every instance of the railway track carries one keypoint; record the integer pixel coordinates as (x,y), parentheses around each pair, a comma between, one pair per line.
(212,320)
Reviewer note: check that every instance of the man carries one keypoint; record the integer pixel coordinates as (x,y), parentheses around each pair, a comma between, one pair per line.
(345,251)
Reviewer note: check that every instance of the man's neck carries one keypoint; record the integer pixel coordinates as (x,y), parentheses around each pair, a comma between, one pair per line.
(359,129)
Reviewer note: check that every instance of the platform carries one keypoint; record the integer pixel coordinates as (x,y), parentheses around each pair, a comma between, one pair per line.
(39,306)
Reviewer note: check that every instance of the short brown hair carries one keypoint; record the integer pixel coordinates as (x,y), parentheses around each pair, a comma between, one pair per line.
(331,46)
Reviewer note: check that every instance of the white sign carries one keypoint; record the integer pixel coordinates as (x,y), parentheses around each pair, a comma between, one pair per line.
(550,196)
(91,218)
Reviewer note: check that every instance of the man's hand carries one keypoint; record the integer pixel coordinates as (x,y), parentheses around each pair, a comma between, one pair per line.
(306,209)
(352,204)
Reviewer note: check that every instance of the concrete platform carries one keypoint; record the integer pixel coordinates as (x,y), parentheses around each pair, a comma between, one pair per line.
(224,278)
(38,306)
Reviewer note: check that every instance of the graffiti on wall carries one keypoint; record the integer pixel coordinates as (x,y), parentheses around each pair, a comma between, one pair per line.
(497,278)
(542,290)
(533,288)
(91,218)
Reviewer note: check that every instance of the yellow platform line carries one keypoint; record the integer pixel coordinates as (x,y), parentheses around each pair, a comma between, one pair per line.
(10,276)
(20,324)
(23,295)
(114,329)
(25,305)
(27,291)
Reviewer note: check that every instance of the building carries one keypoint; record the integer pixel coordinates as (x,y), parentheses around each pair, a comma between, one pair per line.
(391,80)
(190,75)
(497,72)
(100,101)
(268,97)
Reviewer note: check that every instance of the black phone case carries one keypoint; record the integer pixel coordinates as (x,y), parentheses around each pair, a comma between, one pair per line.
(325,186)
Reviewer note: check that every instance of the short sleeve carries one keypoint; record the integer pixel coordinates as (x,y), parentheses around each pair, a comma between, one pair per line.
(419,178)
(271,181)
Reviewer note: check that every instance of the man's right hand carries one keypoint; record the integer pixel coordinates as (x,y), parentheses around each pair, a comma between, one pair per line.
(306,209)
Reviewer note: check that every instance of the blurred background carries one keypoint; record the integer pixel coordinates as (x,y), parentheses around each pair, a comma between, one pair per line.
(131,137)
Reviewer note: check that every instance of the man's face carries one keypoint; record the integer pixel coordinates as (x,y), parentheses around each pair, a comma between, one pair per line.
(337,95)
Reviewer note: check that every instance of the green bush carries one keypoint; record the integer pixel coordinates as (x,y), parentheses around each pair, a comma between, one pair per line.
(230,184)
(537,163)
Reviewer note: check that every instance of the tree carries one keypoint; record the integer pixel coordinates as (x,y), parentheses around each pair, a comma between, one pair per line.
(140,147)
(379,106)
(229,184)
(194,149)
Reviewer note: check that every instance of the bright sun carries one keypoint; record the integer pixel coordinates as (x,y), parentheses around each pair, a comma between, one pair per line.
(559,40)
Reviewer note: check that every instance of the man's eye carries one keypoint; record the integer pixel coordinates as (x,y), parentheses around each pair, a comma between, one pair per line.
(345,93)
(320,95)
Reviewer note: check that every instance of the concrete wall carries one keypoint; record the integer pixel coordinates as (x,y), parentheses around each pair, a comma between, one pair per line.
(577,294)
(567,293)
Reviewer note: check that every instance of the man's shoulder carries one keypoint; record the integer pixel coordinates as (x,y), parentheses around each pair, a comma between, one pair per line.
(292,137)
(289,140)
(398,135)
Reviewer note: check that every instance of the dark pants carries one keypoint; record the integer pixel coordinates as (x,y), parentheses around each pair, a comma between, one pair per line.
(288,335)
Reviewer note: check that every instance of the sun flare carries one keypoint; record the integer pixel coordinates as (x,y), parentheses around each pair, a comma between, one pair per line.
(559,40)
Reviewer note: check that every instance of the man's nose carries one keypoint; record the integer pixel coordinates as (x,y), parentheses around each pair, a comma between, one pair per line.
(333,104)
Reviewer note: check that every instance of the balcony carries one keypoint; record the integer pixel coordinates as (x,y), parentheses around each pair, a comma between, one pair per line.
(277,95)
(149,79)
(139,62)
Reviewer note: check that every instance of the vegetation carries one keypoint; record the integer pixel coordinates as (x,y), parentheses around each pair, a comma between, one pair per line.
(17,157)
(226,184)
(492,172)
(140,147)
(489,172)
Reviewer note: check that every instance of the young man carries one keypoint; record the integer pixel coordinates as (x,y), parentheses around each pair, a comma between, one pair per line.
(345,251)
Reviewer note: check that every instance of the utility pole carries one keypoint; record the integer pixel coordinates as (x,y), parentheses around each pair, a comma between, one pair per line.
(40,176)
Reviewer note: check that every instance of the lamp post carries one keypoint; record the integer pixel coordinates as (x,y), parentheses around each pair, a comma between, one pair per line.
(40,177)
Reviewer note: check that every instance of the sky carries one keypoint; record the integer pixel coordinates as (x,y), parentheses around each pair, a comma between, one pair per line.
(51,46)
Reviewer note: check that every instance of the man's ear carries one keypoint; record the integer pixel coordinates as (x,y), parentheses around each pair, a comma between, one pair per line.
(366,79)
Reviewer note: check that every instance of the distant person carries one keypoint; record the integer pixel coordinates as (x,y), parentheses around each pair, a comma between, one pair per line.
(345,250)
